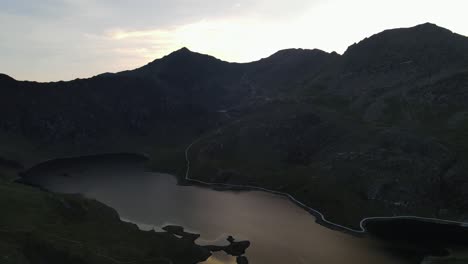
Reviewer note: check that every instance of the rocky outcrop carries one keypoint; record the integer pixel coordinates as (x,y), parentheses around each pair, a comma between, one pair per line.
(236,249)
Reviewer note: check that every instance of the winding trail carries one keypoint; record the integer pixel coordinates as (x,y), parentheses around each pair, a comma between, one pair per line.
(320,217)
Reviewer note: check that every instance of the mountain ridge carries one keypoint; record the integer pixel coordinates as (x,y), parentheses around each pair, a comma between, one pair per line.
(425,28)
(370,132)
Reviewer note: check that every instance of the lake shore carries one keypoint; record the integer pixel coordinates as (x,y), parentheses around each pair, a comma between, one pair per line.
(377,223)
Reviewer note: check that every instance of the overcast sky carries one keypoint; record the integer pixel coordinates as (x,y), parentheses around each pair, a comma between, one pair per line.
(52,40)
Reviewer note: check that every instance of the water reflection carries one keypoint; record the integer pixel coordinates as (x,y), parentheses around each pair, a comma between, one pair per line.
(220,258)
(280,232)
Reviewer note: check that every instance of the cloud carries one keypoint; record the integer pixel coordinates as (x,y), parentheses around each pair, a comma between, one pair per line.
(66,39)
(235,39)
(46,8)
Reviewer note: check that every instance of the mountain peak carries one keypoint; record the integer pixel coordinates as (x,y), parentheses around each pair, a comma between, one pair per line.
(4,77)
(417,34)
(292,52)
(181,60)
(430,28)
(426,44)
(183,53)
(183,50)
(429,25)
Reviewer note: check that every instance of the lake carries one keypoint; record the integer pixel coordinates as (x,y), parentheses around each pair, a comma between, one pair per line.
(279,230)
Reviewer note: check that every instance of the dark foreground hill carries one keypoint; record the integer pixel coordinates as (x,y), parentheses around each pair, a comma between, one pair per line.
(377,131)
(42,227)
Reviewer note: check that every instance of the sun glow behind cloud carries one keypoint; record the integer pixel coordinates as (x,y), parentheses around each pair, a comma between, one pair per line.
(330,26)
(96,36)
(238,40)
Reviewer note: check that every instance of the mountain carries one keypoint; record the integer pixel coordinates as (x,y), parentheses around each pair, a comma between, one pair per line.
(377,131)
(421,45)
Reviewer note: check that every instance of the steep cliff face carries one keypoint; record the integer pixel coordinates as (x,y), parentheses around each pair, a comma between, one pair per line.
(380,130)
(131,103)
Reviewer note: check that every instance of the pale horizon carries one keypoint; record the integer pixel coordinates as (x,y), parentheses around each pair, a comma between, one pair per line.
(70,39)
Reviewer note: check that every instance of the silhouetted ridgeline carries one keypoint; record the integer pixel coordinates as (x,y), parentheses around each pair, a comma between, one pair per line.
(377,131)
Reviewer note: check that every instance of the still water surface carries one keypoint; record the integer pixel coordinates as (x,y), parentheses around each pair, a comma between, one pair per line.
(279,231)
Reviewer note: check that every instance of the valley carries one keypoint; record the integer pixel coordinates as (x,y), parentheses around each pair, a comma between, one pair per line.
(379,131)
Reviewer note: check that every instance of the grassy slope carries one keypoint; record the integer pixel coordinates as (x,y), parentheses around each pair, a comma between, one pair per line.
(323,150)
(283,149)
(41,227)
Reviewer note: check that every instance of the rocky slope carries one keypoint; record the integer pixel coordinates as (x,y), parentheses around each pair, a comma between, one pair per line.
(379,130)
(42,227)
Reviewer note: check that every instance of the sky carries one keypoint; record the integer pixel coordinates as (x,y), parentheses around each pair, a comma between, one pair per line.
(51,40)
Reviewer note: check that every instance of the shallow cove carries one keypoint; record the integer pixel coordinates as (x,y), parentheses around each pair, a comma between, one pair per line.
(280,231)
